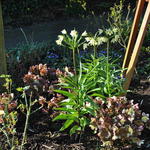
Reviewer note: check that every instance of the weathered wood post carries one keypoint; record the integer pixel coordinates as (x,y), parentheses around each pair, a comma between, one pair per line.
(3,69)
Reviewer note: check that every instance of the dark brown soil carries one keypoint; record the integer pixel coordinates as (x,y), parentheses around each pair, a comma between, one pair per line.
(141,94)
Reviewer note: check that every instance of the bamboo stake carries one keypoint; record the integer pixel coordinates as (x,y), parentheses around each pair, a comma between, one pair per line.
(137,47)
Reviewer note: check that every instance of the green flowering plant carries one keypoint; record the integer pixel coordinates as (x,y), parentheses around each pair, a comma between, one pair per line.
(110,82)
(107,79)
(82,89)
(78,105)
(73,42)
(119,123)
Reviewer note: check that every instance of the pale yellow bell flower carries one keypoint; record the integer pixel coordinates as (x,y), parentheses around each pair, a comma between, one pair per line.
(74,33)
(2,112)
(64,31)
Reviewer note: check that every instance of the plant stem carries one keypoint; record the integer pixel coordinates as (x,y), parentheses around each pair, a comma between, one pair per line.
(79,56)
(12,141)
(26,125)
(25,129)
(94,51)
(74,61)
(7,137)
(108,73)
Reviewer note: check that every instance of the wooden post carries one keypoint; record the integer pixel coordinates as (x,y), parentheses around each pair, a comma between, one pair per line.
(137,47)
(2,47)
(133,34)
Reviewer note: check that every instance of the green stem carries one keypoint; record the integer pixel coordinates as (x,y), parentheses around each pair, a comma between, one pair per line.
(26,126)
(79,56)
(74,61)
(7,137)
(12,141)
(108,71)
(5,127)
(25,130)
(94,51)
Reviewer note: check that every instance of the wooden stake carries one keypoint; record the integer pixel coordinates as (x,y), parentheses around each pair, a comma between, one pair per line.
(133,34)
(137,47)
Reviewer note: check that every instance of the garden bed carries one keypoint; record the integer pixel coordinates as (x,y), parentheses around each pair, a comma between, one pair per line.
(44,135)
(67,95)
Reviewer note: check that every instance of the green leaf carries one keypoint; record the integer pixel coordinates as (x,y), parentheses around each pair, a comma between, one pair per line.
(65,109)
(19,89)
(83,122)
(98,95)
(91,111)
(66,116)
(105,90)
(66,124)
(90,85)
(97,89)
(74,129)
(65,93)
(67,103)
(71,81)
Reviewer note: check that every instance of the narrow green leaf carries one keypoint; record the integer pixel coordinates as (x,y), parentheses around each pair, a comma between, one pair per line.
(66,124)
(65,117)
(67,103)
(93,90)
(74,129)
(65,109)
(65,93)
(105,90)
(98,95)
(90,111)
(83,122)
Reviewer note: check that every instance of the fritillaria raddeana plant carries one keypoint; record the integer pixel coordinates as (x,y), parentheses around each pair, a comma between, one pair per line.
(78,104)
(79,88)
(73,42)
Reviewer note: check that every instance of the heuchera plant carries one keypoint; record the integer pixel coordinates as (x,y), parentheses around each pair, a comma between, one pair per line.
(41,81)
(119,122)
